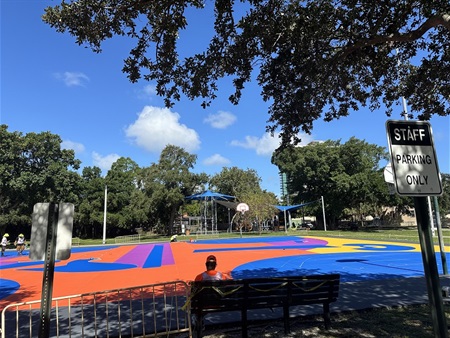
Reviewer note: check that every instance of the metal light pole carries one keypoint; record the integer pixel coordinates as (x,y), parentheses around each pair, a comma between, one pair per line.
(440,237)
(285,222)
(104,215)
(323,211)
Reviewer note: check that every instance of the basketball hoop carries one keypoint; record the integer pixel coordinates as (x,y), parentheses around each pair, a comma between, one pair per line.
(242,207)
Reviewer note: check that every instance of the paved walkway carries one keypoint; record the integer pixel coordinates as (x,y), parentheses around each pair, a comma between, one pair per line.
(352,296)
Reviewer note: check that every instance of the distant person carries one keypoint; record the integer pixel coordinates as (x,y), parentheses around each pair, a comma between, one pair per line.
(173,238)
(211,273)
(20,244)
(4,243)
(276,224)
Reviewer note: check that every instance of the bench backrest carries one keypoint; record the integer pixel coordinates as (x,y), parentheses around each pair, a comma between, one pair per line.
(236,294)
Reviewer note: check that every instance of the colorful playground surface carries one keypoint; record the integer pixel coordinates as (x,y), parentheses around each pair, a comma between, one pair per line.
(109,267)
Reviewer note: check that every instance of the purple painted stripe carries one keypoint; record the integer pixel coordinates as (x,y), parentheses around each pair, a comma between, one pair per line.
(285,243)
(300,242)
(167,258)
(137,256)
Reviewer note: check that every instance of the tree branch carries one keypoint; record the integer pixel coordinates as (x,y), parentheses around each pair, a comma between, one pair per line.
(437,20)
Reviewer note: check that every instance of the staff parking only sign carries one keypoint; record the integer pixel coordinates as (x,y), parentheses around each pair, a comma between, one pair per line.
(413,158)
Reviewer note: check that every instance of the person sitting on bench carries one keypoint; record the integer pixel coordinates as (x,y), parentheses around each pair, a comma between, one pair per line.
(211,273)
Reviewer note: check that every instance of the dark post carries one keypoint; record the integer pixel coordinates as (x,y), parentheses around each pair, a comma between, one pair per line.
(430,268)
(49,269)
(441,239)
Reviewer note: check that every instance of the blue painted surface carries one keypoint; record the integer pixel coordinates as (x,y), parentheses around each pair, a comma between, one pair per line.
(8,287)
(352,266)
(154,259)
(89,265)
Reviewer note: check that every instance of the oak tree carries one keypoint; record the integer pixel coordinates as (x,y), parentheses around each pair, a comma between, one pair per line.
(34,168)
(347,175)
(312,59)
(168,182)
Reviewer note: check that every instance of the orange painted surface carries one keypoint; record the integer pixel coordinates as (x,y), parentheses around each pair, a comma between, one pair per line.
(187,263)
(102,268)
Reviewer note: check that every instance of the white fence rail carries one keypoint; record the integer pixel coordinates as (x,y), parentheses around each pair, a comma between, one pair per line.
(128,239)
(76,241)
(144,311)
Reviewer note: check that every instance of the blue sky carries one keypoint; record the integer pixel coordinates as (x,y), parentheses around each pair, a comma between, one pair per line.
(49,83)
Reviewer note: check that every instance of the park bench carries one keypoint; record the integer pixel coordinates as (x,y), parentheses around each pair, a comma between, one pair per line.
(262,293)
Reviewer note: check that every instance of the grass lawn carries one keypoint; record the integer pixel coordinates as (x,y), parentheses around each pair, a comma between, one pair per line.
(399,322)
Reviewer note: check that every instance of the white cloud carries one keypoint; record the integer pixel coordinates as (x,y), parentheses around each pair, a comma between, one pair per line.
(267,144)
(263,146)
(77,147)
(157,127)
(217,160)
(104,162)
(148,92)
(221,120)
(72,78)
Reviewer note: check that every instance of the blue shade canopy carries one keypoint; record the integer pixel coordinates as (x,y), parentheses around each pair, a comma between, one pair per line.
(214,197)
(292,207)
(210,195)
(288,207)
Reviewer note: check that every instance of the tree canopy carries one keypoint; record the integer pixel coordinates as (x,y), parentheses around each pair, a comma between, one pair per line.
(312,59)
(34,168)
(236,182)
(245,186)
(347,175)
(169,181)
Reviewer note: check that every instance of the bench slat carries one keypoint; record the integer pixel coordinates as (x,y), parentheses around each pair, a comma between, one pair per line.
(258,293)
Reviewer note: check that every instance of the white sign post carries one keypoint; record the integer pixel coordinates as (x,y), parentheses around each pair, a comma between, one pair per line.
(416,173)
(41,231)
(413,158)
(51,239)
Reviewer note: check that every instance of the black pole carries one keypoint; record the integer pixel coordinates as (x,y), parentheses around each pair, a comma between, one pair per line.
(49,270)
(441,239)
(430,267)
